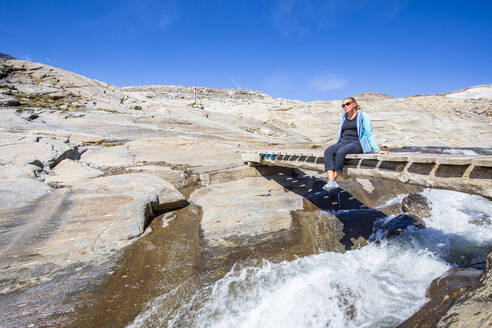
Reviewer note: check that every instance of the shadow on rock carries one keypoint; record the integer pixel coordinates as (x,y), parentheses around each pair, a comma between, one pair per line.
(357,218)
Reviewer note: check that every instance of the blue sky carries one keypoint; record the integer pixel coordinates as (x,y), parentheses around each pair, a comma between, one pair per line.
(296,49)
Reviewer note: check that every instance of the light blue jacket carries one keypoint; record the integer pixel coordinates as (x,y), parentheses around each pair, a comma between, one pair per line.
(364,130)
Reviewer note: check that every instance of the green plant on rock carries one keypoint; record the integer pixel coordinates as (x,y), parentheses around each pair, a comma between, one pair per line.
(43,100)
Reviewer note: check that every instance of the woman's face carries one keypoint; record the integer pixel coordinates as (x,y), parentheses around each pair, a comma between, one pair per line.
(348,105)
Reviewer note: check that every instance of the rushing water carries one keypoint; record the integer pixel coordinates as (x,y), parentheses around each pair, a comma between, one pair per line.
(379,285)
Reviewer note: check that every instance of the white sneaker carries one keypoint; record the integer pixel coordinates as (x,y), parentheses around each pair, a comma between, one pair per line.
(330,185)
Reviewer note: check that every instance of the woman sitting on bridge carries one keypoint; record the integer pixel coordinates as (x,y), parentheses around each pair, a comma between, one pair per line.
(355,137)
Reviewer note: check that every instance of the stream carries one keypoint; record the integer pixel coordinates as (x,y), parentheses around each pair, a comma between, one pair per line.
(379,285)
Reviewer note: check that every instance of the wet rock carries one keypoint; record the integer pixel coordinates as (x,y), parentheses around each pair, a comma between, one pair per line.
(320,231)
(452,281)
(417,205)
(473,307)
(358,242)
(167,218)
(443,292)
(401,222)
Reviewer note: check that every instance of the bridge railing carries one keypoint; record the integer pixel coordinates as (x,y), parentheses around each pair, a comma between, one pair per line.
(466,173)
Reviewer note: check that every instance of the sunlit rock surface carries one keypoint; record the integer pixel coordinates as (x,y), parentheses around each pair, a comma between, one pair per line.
(85,166)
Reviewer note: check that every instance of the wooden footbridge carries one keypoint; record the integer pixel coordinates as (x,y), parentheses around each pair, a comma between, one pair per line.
(466,173)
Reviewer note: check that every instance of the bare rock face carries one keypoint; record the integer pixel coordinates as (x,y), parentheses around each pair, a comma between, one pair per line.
(416,205)
(111,156)
(69,172)
(85,165)
(93,218)
(240,212)
(372,96)
(38,85)
(29,149)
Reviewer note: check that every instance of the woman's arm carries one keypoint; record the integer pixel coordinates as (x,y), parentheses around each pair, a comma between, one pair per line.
(366,123)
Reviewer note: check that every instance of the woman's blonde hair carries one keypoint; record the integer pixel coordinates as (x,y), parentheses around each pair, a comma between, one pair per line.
(357,106)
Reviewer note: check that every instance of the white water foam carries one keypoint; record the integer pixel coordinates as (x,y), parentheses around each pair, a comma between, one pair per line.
(375,286)
(453,212)
(459,228)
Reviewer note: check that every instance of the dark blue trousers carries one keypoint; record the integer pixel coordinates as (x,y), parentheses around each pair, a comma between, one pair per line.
(335,154)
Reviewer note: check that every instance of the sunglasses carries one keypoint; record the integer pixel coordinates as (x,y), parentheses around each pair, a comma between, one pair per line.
(347,104)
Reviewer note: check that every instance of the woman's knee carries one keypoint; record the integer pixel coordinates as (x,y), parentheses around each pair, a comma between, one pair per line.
(330,151)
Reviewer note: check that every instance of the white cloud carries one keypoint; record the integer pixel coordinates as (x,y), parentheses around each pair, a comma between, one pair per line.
(327,82)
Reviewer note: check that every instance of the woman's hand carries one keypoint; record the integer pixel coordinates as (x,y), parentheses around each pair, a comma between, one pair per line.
(384,152)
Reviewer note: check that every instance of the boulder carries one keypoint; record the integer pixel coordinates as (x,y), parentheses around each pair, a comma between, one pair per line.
(443,293)
(401,222)
(416,205)
(473,307)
